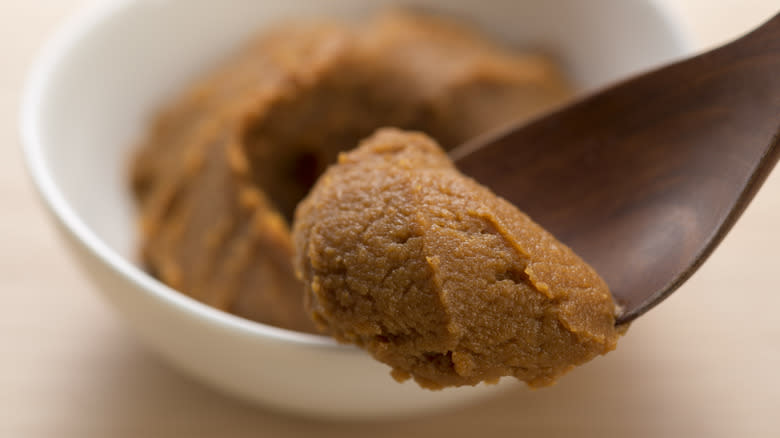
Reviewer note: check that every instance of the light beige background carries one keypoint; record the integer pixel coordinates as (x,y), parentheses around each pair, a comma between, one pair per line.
(703,364)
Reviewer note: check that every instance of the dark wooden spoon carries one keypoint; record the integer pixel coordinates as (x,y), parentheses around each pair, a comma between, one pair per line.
(645,178)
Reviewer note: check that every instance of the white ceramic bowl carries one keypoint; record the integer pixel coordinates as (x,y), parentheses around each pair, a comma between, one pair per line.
(101,78)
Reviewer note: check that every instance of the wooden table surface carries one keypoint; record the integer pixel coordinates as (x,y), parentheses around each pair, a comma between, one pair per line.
(703,364)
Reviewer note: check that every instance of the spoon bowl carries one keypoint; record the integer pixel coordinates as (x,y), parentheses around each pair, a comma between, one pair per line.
(645,178)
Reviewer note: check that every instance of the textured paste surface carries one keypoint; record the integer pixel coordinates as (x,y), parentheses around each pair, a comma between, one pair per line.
(439,278)
(220,173)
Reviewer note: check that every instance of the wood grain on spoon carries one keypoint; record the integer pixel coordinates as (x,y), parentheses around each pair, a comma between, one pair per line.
(644,179)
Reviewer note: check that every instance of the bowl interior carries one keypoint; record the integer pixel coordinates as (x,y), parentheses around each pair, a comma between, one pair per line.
(100,81)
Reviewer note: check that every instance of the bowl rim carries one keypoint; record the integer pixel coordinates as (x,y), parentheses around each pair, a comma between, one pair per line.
(53,52)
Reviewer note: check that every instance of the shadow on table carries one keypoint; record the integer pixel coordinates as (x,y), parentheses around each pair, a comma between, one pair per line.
(623,393)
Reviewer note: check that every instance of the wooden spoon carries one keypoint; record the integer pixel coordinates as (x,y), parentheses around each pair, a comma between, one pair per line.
(645,178)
